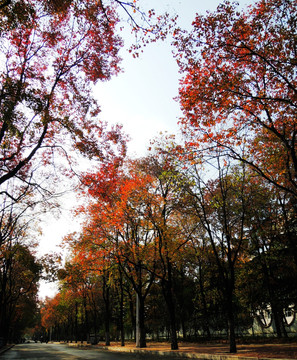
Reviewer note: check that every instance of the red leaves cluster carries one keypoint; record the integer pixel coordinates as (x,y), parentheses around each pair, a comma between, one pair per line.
(240,84)
(52,52)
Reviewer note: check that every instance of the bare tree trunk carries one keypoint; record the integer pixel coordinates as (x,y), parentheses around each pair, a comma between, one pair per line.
(140,322)
(231,327)
(122,311)
(168,295)
(106,299)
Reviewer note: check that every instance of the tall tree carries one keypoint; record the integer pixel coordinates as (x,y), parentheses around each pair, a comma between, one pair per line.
(165,207)
(221,206)
(119,216)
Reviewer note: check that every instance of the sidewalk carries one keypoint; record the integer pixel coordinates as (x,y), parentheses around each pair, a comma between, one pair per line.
(211,351)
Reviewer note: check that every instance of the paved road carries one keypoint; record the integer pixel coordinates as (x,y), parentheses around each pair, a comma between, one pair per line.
(43,351)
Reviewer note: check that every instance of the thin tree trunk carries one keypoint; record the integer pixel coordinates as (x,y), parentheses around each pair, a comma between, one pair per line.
(76,324)
(231,328)
(168,295)
(205,312)
(132,313)
(107,311)
(122,311)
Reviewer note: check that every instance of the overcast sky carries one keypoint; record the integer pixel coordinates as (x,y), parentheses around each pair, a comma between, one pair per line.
(141,98)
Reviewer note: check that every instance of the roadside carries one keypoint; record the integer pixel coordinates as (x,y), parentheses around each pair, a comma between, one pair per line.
(5,348)
(212,351)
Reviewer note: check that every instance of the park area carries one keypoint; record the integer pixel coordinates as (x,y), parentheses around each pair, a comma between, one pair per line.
(190,233)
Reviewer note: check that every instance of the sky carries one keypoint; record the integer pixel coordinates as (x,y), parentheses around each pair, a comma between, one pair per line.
(141,98)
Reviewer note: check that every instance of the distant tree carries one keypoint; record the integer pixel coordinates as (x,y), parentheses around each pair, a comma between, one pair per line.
(54,313)
(19,276)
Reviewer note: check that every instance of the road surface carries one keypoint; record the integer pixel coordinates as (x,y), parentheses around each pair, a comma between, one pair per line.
(38,351)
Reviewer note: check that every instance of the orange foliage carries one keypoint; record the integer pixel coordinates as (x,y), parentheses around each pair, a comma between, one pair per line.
(239,86)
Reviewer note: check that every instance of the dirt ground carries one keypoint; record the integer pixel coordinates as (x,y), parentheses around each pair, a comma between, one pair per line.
(275,350)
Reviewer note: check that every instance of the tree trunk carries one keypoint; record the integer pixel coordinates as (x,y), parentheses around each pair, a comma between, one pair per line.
(122,311)
(76,324)
(86,325)
(230,318)
(278,319)
(95,326)
(231,328)
(4,324)
(140,322)
(168,295)
(205,311)
(4,318)
(132,313)
(107,311)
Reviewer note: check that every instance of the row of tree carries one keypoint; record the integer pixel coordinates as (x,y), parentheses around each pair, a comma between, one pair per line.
(19,276)
(52,53)
(184,249)
(217,213)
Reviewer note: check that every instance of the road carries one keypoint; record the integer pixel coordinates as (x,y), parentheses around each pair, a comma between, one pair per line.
(38,351)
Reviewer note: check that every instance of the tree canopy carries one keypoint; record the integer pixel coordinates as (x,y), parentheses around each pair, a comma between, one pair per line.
(239,86)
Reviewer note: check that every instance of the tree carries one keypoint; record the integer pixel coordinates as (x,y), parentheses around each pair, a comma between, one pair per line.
(271,259)
(136,217)
(55,314)
(201,266)
(221,206)
(52,53)
(164,213)
(20,272)
(120,230)
(153,225)
(238,96)
(239,86)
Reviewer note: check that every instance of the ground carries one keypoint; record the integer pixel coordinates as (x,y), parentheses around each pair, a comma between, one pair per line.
(265,349)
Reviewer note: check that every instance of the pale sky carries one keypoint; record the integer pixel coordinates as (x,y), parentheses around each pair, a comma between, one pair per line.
(141,98)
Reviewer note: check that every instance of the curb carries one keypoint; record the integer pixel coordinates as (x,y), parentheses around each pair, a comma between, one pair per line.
(177,355)
(184,355)
(5,348)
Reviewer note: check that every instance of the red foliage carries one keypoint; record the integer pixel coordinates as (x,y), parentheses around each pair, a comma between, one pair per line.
(50,57)
(239,89)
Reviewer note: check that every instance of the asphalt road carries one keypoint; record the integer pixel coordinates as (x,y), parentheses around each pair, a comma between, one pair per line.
(38,351)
